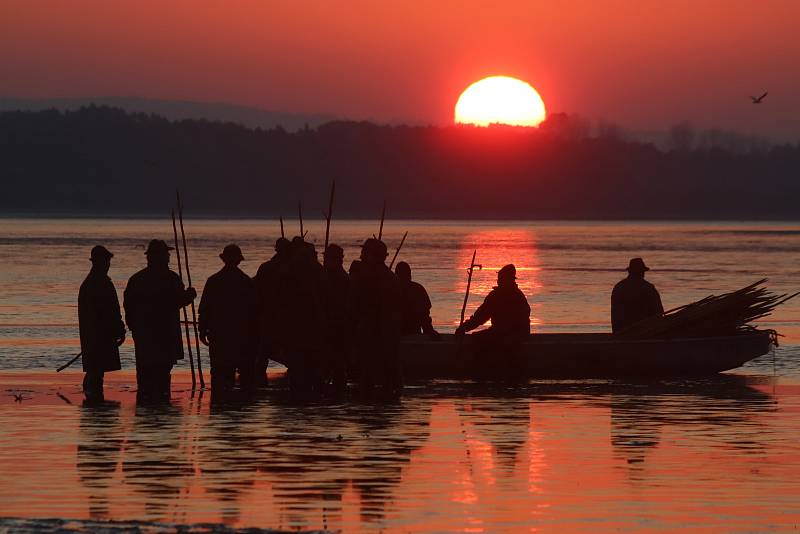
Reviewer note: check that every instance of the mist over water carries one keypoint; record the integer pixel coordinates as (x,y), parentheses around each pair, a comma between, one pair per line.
(719,454)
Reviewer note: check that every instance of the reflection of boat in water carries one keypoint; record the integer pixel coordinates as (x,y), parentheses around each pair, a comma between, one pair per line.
(592,355)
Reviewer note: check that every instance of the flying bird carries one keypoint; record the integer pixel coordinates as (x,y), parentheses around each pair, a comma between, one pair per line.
(759,99)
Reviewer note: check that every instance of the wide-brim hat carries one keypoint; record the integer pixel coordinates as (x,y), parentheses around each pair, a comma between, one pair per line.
(99,252)
(232,253)
(157,246)
(636,265)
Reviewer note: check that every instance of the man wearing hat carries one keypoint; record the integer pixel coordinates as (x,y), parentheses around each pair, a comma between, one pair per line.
(152,300)
(634,298)
(100,324)
(415,303)
(228,322)
(375,314)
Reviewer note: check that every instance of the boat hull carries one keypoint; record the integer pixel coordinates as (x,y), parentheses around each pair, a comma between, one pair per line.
(588,355)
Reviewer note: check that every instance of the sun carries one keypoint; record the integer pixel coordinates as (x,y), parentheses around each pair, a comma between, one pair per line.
(500,99)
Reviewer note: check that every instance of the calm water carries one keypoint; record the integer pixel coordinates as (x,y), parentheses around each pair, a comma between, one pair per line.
(719,454)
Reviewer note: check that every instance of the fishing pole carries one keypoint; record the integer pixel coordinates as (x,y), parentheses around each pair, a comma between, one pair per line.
(396,252)
(300,214)
(383,216)
(281,219)
(73,360)
(329,216)
(189,281)
(470,270)
(185,317)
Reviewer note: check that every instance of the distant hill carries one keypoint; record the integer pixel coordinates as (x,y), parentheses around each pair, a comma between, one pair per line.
(106,161)
(250,117)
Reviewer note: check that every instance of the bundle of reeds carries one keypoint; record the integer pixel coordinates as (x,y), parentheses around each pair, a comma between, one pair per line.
(715,315)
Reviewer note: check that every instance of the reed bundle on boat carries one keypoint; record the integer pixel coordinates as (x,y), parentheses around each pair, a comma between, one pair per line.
(715,315)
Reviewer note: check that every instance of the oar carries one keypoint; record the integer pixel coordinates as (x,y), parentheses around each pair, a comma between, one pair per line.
(189,281)
(471,268)
(396,252)
(185,317)
(73,360)
(383,217)
(329,216)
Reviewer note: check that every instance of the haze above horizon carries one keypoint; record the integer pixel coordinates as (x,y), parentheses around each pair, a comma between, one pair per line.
(645,66)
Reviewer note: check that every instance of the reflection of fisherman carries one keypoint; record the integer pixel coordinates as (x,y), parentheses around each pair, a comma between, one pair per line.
(152,301)
(100,323)
(634,298)
(270,292)
(375,314)
(337,288)
(509,311)
(228,322)
(415,304)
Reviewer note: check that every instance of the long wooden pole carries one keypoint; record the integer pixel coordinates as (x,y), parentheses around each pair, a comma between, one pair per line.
(189,281)
(282,234)
(469,283)
(185,317)
(383,217)
(329,216)
(300,214)
(396,252)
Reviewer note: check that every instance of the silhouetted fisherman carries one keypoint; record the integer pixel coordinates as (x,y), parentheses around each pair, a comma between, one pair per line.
(152,302)
(228,321)
(337,290)
(375,314)
(304,329)
(270,291)
(634,298)
(509,311)
(415,304)
(100,324)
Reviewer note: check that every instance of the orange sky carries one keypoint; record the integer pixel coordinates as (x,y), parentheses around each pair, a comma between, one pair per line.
(645,65)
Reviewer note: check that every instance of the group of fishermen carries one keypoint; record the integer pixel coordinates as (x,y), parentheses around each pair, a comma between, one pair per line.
(326,324)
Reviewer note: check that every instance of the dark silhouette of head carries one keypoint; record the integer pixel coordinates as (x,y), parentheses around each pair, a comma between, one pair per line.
(100,258)
(373,252)
(157,253)
(333,257)
(232,255)
(507,275)
(403,271)
(637,268)
(282,246)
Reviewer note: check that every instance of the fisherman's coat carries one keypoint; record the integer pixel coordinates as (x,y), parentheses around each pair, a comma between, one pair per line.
(228,314)
(152,302)
(632,300)
(100,323)
(416,309)
(507,308)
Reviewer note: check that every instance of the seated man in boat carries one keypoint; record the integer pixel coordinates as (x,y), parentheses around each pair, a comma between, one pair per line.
(634,298)
(228,322)
(100,324)
(415,304)
(510,313)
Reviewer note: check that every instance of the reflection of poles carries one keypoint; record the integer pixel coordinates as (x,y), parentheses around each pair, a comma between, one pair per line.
(329,216)
(185,318)
(396,252)
(471,268)
(189,281)
(383,216)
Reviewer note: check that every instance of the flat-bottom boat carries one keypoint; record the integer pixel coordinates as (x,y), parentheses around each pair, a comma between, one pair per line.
(587,355)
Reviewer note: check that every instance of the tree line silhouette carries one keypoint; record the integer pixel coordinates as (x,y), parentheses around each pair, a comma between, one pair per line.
(105,161)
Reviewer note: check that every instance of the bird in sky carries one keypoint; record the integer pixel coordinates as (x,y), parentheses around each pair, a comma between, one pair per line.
(757,100)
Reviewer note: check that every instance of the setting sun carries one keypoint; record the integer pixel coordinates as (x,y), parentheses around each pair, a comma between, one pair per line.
(500,99)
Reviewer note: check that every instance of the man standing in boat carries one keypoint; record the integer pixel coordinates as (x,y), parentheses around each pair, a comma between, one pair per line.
(100,324)
(415,304)
(152,300)
(510,313)
(228,322)
(634,298)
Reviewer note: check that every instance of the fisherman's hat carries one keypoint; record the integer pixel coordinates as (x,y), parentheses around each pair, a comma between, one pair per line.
(231,252)
(508,271)
(334,251)
(157,246)
(636,265)
(99,253)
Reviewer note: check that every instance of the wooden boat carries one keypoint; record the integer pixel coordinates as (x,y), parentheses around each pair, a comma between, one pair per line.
(589,355)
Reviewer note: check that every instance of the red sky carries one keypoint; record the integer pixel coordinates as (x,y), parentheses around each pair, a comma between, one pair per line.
(644,65)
